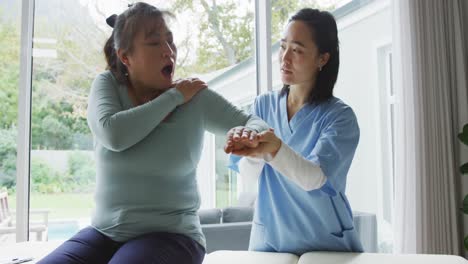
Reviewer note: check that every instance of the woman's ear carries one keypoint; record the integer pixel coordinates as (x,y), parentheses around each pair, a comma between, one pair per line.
(123,57)
(323,59)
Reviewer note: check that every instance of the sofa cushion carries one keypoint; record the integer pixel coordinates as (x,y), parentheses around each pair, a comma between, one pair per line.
(373,258)
(237,214)
(210,216)
(366,227)
(227,236)
(249,257)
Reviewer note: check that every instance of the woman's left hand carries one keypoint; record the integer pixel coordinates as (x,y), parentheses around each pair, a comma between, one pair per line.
(265,144)
(240,137)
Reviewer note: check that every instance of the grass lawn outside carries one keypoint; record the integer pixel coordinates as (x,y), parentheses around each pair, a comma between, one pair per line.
(73,205)
(225,198)
(61,206)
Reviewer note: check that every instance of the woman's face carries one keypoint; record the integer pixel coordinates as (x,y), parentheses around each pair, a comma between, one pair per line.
(299,56)
(151,62)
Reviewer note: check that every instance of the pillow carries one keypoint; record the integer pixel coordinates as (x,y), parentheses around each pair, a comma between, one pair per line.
(210,216)
(237,214)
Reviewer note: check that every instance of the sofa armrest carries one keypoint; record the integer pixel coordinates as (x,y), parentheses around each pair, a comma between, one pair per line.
(366,227)
(227,236)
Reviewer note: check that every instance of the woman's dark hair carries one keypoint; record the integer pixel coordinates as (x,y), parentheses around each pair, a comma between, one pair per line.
(126,26)
(322,26)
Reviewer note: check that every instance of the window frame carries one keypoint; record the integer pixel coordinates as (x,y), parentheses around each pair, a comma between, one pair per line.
(24,122)
(263,71)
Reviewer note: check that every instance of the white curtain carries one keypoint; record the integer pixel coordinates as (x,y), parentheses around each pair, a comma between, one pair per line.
(430,75)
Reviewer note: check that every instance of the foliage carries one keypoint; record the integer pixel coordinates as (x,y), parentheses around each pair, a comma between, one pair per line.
(8,158)
(9,73)
(226,31)
(281,11)
(463,137)
(45,179)
(82,172)
(60,85)
(79,176)
(223,33)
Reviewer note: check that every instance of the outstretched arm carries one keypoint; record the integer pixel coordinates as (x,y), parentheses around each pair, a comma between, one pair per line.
(285,160)
(221,115)
(118,129)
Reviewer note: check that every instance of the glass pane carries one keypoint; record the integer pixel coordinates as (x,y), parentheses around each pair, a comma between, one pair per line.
(67,55)
(228,189)
(390,65)
(10,31)
(363,28)
(218,48)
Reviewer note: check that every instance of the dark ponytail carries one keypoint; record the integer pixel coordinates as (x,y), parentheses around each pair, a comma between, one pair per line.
(113,62)
(109,52)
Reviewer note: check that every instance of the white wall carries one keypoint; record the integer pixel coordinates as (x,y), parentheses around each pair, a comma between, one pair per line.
(361,35)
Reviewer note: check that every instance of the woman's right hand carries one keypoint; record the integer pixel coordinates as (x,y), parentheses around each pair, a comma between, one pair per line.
(189,87)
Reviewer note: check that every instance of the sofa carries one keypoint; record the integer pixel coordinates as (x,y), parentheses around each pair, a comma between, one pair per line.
(229,228)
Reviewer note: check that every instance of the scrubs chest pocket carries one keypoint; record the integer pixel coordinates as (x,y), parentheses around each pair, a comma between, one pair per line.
(343,213)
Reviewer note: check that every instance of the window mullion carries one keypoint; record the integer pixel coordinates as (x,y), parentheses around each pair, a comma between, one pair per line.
(263,45)
(24,122)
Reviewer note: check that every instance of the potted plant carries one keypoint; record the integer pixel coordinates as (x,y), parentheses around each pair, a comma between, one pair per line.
(463,136)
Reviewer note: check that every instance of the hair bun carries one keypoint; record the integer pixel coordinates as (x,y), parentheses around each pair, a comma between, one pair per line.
(111,20)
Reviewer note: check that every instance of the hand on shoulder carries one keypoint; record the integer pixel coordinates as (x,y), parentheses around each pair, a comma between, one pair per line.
(189,87)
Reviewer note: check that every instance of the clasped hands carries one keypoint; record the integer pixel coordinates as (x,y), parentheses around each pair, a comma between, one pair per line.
(243,141)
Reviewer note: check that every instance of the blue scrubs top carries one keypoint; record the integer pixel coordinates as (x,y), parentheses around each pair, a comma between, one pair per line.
(288,218)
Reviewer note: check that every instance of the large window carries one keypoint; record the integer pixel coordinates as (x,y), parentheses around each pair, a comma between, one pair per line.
(219,47)
(67,54)
(387,120)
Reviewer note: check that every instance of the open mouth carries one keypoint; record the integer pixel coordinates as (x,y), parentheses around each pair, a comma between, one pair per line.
(168,70)
(285,71)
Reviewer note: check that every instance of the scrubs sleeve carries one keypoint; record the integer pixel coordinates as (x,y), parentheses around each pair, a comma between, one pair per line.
(335,148)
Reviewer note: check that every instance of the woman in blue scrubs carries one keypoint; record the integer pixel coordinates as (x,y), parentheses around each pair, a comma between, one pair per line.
(302,163)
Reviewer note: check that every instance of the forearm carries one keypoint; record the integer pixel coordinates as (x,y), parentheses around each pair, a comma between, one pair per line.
(221,115)
(294,166)
(119,130)
(249,171)
(256,123)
